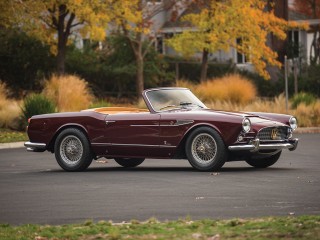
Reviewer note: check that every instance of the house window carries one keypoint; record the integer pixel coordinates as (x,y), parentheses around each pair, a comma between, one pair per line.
(293,48)
(241,58)
(293,36)
(159,44)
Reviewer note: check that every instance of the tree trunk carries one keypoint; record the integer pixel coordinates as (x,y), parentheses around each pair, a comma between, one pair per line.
(139,57)
(63,29)
(61,57)
(315,45)
(204,65)
(313,59)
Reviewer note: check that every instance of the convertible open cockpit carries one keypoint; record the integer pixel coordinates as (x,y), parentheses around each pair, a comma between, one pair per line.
(117,110)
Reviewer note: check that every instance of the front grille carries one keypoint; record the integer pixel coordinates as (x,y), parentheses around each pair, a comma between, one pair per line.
(273,134)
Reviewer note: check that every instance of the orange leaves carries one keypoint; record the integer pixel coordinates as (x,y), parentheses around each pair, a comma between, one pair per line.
(225,21)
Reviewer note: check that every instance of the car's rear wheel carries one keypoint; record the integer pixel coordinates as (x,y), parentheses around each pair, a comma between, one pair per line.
(129,162)
(264,162)
(72,150)
(205,149)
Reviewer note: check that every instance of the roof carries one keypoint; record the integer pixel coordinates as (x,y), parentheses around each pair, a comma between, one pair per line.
(296,16)
(193,8)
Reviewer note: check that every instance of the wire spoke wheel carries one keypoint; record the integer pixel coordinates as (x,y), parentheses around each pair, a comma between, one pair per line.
(204,148)
(71,150)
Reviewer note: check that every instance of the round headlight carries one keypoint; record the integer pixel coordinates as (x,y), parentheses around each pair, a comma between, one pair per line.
(293,123)
(246,125)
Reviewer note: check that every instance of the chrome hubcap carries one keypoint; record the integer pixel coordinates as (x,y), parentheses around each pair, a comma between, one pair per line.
(204,148)
(71,150)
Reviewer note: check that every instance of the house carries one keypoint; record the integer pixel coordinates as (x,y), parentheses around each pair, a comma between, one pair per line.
(302,39)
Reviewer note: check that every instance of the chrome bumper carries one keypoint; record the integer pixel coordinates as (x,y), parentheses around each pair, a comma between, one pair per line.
(35,147)
(255,146)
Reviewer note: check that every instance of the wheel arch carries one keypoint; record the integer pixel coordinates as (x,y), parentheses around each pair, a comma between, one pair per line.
(181,146)
(66,126)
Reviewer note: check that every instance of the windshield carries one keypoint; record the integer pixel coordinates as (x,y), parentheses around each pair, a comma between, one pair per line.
(173,98)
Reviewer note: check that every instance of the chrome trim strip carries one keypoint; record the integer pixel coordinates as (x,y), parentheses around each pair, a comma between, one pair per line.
(154,125)
(101,144)
(131,145)
(178,123)
(256,146)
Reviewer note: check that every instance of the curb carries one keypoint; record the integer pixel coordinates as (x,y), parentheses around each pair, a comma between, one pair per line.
(308,130)
(11,145)
(21,144)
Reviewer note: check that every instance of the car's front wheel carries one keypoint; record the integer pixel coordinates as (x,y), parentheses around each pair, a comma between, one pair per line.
(264,162)
(205,149)
(129,162)
(72,150)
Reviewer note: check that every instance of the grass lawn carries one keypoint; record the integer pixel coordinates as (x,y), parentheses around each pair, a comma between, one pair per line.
(7,135)
(302,227)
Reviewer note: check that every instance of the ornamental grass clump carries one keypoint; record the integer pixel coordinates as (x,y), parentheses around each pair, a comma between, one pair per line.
(69,92)
(308,115)
(9,110)
(231,88)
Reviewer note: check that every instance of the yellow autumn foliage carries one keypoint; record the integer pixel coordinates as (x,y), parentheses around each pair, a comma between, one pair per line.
(39,18)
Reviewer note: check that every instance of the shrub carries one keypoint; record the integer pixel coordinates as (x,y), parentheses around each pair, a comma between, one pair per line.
(68,92)
(190,70)
(36,104)
(24,61)
(302,97)
(233,88)
(9,110)
(112,70)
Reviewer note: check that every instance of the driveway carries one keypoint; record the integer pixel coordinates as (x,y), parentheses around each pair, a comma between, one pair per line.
(33,189)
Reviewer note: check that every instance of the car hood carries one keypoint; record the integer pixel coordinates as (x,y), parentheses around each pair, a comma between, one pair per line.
(256,120)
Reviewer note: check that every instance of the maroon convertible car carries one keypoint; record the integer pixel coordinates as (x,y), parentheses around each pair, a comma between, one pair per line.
(176,125)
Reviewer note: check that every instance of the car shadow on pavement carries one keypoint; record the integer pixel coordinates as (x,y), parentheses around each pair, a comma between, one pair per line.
(177,169)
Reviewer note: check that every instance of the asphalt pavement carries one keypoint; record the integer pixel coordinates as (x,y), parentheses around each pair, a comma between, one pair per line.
(33,189)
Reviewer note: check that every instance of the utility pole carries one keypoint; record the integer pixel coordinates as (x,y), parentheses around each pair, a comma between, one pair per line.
(295,75)
(286,80)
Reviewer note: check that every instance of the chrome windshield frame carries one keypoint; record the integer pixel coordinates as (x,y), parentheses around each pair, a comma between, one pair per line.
(151,107)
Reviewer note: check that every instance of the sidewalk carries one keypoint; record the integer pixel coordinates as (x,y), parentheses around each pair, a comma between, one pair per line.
(20,144)
(308,130)
(11,145)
